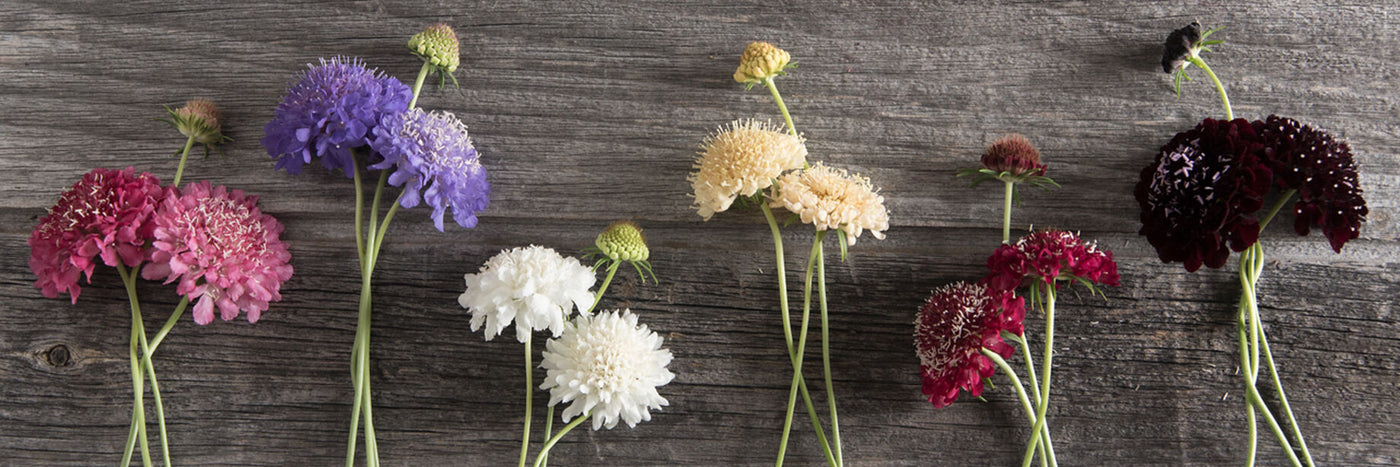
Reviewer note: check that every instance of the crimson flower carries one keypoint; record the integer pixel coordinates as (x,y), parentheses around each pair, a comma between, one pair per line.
(223,251)
(1321,168)
(1200,195)
(108,214)
(1048,255)
(953,326)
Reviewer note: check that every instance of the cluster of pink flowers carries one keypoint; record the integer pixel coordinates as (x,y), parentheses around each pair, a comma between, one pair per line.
(953,327)
(223,251)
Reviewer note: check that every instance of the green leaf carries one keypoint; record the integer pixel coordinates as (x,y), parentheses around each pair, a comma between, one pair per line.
(1211,31)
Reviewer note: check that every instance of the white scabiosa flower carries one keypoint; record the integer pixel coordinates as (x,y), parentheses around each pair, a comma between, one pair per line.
(740,160)
(832,199)
(534,286)
(609,366)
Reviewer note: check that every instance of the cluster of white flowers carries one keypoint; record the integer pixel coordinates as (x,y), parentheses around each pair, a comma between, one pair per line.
(534,287)
(609,366)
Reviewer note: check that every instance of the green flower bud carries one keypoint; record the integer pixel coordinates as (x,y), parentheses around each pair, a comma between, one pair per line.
(438,45)
(198,119)
(623,241)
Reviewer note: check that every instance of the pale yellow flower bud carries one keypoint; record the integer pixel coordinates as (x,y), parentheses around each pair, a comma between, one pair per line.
(761,61)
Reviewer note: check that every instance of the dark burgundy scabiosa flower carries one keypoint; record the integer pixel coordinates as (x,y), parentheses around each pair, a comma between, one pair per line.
(1049,255)
(1014,154)
(108,214)
(333,108)
(1200,195)
(1322,170)
(953,327)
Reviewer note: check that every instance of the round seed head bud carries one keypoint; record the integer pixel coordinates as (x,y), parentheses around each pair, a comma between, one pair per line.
(761,61)
(623,241)
(1014,154)
(199,119)
(438,45)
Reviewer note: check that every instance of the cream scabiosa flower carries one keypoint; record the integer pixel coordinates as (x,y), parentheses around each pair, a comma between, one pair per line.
(534,286)
(833,199)
(740,160)
(609,366)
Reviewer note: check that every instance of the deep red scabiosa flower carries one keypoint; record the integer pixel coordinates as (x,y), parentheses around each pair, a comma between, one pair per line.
(108,214)
(954,325)
(223,251)
(1321,168)
(1200,195)
(1049,255)
(1014,154)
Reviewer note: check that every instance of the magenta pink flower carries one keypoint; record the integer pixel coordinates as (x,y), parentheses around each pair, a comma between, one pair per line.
(1049,255)
(222,249)
(107,213)
(953,327)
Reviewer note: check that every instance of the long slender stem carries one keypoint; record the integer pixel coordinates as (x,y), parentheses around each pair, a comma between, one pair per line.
(539,459)
(1224,98)
(1283,398)
(169,323)
(130,441)
(826,348)
(787,336)
(359,209)
(529,402)
(1025,401)
(1034,390)
(418,83)
(148,366)
(1044,372)
(1273,211)
(778,98)
(184,154)
(548,433)
(137,381)
(612,270)
(1006,214)
(1246,368)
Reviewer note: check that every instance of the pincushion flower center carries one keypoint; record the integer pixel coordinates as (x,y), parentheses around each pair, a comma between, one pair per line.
(231,230)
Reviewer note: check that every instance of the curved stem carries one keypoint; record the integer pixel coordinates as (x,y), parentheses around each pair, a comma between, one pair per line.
(137,381)
(418,83)
(1283,398)
(1273,211)
(548,432)
(826,348)
(778,98)
(1006,215)
(787,336)
(359,209)
(169,324)
(1044,372)
(184,154)
(539,460)
(1035,394)
(612,270)
(798,381)
(149,368)
(1025,401)
(529,402)
(1246,368)
(1224,98)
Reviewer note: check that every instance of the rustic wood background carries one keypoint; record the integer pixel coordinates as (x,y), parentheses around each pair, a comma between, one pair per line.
(590,112)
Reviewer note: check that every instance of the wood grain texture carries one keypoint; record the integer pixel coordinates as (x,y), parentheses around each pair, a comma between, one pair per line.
(588,112)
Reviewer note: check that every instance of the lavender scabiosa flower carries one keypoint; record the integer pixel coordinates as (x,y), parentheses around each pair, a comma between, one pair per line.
(436,163)
(333,108)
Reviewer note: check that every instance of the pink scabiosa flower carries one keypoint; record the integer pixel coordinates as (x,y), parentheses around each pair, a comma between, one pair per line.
(108,214)
(223,251)
(953,326)
(1049,255)
(1200,195)
(1321,168)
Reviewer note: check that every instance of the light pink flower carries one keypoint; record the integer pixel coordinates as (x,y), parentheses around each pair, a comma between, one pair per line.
(107,213)
(223,251)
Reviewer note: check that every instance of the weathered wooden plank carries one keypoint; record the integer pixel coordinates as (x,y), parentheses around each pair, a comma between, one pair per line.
(590,112)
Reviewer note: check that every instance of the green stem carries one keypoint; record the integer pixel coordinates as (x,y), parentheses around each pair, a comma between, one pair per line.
(418,83)
(1044,372)
(548,432)
(787,336)
(1246,367)
(169,324)
(130,441)
(1273,211)
(612,270)
(359,209)
(1025,401)
(1006,214)
(149,367)
(1283,398)
(826,347)
(184,154)
(539,460)
(137,381)
(1224,98)
(778,98)
(529,402)
(797,378)
(1035,394)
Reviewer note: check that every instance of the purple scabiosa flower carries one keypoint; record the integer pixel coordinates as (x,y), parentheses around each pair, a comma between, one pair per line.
(1321,168)
(333,108)
(436,163)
